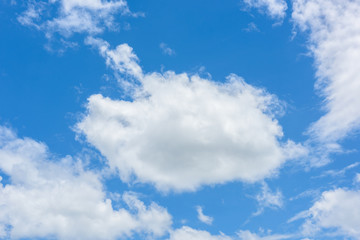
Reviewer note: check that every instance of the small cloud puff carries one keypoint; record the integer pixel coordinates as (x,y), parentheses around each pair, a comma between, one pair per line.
(202,217)
(274,8)
(166,49)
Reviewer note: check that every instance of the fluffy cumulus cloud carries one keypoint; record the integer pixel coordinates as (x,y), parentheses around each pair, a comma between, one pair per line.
(193,234)
(73,16)
(334,32)
(337,212)
(274,8)
(180,132)
(41,198)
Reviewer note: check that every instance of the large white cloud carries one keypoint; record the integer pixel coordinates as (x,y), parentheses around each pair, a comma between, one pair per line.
(73,16)
(337,209)
(334,33)
(47,198)
(180,132)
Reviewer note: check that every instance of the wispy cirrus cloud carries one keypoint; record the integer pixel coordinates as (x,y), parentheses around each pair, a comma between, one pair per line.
(202,217)
(268,199)
(248,235)
(194,234)
(166,49)
(334,32)
(340,172)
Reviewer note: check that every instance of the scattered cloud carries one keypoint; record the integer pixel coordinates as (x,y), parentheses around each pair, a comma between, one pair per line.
(247,235)
(251,27)
(180,132)
(166,49)
(73,16)
(307,193)
(274,8)
(202,217)
(268,199)
(337,212)
(357,178)
(341,172)
(334,33)
(122,60)
(193,234)
(47,197)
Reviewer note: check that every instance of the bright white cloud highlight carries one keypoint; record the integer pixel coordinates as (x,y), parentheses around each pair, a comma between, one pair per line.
(181,132)
(193,234)
(60,199)
(202,217)
(121,59)
(73,16)
(274,8)
(334,32)
(337,209)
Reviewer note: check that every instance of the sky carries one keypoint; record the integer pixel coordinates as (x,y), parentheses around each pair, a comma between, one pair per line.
(179,120)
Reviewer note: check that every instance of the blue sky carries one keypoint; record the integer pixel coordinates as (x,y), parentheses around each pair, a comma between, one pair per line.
(179,120)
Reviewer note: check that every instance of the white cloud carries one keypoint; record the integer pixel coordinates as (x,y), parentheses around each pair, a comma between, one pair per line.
(73,16)
(274,8)
(337,209)
(247,235)
(166,49)
(193,234)
(180,132)
(202,217)
(334,33)
(357,178)
(122,59)
(305,194)
(341,172)
(251,27)
(268,199)
(48,198)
